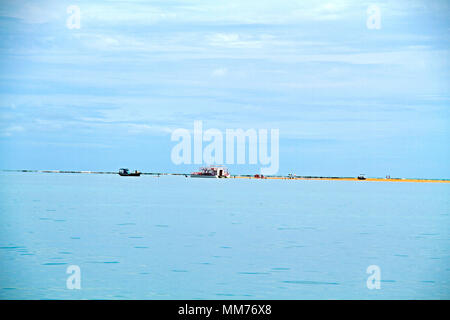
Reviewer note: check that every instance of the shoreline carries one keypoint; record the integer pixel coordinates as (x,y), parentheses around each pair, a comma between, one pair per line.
(416,180)
(353,179)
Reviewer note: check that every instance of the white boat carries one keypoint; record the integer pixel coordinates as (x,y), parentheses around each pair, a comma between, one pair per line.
(211,172)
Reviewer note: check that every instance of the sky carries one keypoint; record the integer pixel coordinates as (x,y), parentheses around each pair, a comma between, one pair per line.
(347,99)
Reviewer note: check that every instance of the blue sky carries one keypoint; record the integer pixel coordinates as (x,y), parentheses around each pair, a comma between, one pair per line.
(346,99)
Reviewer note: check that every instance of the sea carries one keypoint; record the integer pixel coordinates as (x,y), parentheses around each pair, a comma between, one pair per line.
(173,237)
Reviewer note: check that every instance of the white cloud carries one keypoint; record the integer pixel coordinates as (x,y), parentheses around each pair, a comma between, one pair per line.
(234,40)
(9,131)
(220,72)
(33,13)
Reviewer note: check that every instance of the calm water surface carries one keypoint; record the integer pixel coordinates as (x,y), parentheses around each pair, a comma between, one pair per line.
(181,238)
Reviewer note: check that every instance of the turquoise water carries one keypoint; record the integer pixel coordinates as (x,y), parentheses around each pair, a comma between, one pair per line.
(182,238)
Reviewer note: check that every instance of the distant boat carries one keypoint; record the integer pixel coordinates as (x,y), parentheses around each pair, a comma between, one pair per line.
(211,172)
(362,176)
(126,173)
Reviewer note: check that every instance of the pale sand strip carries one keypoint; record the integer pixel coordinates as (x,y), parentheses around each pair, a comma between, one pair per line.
(353,179)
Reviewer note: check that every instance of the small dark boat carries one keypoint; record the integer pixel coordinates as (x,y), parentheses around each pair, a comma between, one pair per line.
(126,173)
(362,177)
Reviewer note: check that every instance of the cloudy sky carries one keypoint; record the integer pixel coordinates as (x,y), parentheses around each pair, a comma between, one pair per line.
(346,99)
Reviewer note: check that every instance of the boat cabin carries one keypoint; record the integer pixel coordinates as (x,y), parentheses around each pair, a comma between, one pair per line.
(126,172)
